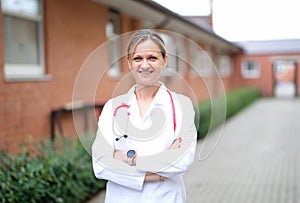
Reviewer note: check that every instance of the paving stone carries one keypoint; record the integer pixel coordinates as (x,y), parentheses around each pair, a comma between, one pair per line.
(257,159)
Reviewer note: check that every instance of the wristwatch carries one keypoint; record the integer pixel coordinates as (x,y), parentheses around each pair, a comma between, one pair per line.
(131,154)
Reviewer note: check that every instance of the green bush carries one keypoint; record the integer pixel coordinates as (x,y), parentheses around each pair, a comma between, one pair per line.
(64,175)
(235,101)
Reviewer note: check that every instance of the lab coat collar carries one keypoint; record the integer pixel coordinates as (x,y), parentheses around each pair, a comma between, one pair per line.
(159,98)
(158,101)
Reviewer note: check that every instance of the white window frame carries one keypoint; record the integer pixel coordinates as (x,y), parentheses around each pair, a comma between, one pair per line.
(281,65)
(18,71)
(114,45)
(253,73)
(201,62)
(224,65)
(172,63)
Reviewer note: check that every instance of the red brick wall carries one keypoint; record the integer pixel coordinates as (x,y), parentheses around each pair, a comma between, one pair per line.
(298,76)
(73,29)
(265,81)
(2,88)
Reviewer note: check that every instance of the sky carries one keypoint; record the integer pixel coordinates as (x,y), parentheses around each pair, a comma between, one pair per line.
(245,20)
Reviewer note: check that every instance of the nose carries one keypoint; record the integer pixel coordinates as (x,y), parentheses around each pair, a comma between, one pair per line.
(144,63)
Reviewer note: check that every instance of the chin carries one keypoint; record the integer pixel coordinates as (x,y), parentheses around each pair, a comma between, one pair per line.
(147,83)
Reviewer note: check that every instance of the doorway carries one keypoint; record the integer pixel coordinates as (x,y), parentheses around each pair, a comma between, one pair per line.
(285,78)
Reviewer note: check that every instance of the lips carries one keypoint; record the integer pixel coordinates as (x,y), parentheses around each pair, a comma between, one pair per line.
(146,72)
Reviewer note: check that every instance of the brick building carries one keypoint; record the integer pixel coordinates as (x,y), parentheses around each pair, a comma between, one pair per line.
(47,43)
(270,65)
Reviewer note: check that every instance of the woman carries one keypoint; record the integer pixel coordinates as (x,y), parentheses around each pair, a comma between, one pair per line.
(146,138)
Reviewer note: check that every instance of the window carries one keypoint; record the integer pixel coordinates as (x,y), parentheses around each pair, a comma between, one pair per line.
(284,70)
(250,69)
(175,57)
(224,65)
(172,64)
(23,39)
(114,45)
(200,61)
(181,54)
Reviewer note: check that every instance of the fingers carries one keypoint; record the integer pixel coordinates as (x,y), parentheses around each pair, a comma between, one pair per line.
(176,143)
(162,178)
(150,177)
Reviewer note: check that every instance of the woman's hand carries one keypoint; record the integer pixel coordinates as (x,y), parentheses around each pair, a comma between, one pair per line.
(120,155)
(150,177)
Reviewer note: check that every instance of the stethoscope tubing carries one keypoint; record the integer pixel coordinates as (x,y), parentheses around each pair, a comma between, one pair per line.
(123,105)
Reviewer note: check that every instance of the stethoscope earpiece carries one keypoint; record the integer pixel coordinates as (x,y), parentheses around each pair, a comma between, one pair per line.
(118,138)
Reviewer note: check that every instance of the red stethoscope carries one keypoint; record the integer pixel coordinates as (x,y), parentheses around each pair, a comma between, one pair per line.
(123,105)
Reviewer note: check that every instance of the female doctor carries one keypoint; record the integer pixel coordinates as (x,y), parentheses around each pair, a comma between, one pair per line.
(146,138)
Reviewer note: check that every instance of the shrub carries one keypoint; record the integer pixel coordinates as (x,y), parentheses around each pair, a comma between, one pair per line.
(236,100)
(66,175)
(50,176)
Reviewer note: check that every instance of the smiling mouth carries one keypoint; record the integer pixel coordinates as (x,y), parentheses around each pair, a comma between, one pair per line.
(146,72)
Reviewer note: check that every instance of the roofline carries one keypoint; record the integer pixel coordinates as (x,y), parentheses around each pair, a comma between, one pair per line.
(275,46)
(163,9)
(159,17)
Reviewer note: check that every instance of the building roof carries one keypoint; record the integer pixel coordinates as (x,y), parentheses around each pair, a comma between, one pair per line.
(158,17)
(201,21)
(285,46)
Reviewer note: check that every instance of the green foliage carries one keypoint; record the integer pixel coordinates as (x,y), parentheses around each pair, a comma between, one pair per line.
(239,99)
(64,175)
(233,102)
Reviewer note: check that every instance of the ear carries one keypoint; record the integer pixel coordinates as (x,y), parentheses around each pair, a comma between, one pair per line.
(166,60)
(129,64)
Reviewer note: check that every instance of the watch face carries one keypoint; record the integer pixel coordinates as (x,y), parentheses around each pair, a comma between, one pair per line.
(130,153)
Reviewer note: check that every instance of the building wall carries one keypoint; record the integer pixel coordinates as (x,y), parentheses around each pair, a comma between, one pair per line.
(2,89)
(266,80)
(72,29)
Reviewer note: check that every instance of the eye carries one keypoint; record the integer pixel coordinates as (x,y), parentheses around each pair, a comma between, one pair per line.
(152,58)
(137,59)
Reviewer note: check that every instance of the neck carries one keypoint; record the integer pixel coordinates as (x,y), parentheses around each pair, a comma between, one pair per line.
(146,92)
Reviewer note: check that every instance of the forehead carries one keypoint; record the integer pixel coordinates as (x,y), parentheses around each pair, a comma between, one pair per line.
(147,45)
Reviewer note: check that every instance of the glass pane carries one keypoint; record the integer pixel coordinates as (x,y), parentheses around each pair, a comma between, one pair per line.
(114,57)
(21,41)
(172,51)
(29,7)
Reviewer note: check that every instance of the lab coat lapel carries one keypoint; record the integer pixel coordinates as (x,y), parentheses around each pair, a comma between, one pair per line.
(158,101)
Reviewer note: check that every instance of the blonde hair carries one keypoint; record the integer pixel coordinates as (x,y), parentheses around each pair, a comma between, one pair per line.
(143,35)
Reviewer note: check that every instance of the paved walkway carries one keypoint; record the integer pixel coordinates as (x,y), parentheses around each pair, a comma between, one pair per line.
(257,159)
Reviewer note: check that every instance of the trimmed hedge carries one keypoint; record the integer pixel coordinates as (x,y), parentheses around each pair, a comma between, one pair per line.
(66,175)
(236,100)
(49,175)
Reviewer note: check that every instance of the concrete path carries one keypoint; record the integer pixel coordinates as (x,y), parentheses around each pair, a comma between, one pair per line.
(257,159)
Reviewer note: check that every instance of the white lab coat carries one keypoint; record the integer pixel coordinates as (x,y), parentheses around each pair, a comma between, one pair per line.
(125,182)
